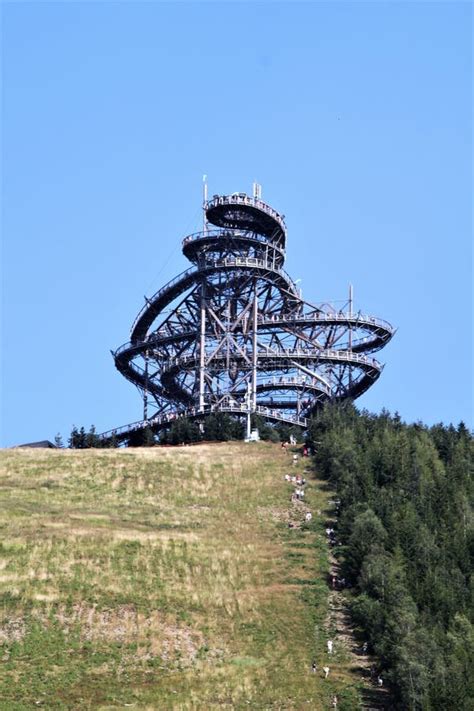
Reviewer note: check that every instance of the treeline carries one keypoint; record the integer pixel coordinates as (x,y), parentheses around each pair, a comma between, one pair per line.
(80,439)
(220,427)
(217,427)
(405,525)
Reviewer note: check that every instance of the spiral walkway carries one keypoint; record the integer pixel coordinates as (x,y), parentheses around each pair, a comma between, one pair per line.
(232,333)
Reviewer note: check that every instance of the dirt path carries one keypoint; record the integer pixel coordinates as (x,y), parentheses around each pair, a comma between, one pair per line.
(361,663)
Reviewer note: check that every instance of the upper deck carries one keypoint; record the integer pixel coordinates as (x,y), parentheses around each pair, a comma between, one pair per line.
(239,211)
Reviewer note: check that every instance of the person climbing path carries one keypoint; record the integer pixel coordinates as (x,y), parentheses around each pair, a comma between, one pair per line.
(374,693)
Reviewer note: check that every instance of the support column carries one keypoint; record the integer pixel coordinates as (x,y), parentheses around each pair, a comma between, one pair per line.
(202,347)
(248,398)
(254,350)
(350,331)
(350,315)
(145,392)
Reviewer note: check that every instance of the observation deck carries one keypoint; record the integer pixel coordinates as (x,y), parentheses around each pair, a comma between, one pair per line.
(239,211)
(232,333)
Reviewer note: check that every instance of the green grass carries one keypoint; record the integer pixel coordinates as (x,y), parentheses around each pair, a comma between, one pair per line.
(162,579)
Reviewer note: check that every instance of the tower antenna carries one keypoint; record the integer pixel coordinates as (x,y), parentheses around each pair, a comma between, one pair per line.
(204,202)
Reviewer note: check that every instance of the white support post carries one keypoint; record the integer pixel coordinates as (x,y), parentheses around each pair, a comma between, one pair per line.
(248,398)
(254,350)
(202,348)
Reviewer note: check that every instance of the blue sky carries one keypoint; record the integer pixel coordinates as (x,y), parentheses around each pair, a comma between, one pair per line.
(355,118)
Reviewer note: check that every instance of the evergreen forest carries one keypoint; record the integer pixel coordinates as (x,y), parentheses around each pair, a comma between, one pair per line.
(405,546)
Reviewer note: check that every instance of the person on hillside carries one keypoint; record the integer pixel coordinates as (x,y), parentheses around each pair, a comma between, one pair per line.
(314,668)
(334,701)
(330,646)
(308,516)
(379,681)
(326,671)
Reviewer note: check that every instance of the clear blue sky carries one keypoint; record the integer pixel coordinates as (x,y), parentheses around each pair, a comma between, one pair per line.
(355,118)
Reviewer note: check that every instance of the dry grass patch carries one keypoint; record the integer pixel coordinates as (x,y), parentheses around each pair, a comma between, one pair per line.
(164,578)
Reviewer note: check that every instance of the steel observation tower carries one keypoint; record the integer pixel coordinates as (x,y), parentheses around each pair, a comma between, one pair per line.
(232,333)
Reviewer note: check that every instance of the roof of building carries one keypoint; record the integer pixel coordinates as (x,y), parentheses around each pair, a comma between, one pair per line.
(43,444)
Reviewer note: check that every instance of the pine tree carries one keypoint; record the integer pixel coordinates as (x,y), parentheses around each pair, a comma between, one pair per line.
(405,524)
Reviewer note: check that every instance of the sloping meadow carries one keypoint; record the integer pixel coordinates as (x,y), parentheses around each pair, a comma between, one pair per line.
(162,578)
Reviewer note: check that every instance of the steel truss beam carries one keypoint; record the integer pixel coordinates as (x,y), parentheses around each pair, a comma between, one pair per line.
(236,324)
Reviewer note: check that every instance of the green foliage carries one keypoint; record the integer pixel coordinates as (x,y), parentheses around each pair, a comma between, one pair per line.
(220,427)
(182,431)
(141,438)
(264,429)
(77,438)
(217,427)
(405,524)
(80,439)
(271,433)
(92,438)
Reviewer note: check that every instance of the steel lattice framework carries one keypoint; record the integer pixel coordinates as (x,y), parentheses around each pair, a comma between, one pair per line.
(232,333)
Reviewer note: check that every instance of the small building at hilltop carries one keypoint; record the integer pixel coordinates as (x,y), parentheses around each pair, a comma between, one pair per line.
(43,444)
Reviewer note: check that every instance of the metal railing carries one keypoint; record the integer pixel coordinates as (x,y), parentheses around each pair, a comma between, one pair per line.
(223,234)
(167,287)
(169,417)
(248,201)
(283,353)
(324,316)
(298,380)
(210,265)
(356,321)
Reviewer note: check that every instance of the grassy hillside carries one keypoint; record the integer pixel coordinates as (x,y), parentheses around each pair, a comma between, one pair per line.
(163,579)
